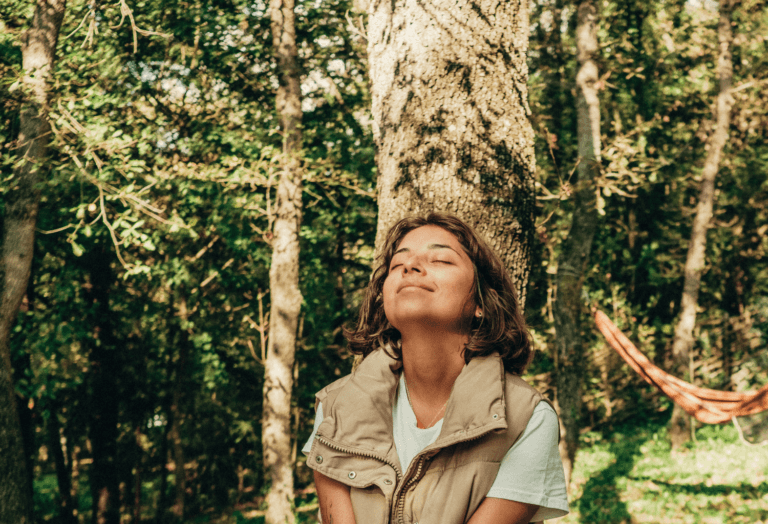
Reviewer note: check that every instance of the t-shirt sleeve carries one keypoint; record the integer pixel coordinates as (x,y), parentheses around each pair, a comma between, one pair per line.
(532,472)
(318,419)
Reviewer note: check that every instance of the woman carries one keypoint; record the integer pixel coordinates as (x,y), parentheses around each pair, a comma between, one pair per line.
(435,425)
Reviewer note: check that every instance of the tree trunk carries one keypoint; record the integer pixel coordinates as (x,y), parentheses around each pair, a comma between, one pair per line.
(67,504)
(180,475)
(574,257)
(449,103)
(105,370)
(162,500)
(137,476)
(38,51)
(285,296)
(679,424)
(22,367)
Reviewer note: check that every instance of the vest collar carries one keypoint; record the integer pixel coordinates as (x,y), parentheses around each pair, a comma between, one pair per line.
(360,418)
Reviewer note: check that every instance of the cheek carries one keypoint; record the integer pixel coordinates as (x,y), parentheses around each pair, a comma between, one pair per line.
(386,293)
(468,289)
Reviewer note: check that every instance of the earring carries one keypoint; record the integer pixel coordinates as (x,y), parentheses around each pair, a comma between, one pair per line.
(479,314)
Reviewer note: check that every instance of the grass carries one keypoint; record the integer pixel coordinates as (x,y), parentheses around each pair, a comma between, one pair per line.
(631,476)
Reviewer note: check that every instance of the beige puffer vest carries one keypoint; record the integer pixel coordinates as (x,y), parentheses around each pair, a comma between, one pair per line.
(487,411)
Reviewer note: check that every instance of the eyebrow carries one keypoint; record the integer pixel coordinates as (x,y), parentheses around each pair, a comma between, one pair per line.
(429,246)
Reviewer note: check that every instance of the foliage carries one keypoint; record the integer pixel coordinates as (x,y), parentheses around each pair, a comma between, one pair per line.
(658,85)
(157,202)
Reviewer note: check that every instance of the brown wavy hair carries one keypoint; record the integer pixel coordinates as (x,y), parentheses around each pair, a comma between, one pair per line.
(500,330)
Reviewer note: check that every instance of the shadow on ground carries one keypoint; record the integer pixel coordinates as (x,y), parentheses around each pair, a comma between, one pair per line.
(747,491)
(600,501)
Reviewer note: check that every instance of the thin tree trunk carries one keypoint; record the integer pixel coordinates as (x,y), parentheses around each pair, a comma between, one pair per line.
(105,369)
(679,424)
(74,466)
(449,103)
(137,477)
(574,257)
(162,502)
(285,296)
(180,474)
(23,368)
(38,51)
(67,505)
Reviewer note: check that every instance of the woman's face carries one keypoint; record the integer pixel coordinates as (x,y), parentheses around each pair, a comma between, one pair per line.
(430,281)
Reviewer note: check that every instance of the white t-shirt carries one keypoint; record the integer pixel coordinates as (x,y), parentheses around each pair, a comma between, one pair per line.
(531,471)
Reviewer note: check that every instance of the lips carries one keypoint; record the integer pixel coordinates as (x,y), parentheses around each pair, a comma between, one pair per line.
(405,285)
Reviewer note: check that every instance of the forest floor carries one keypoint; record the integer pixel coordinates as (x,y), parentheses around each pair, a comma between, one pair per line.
(626,476)
(631,476)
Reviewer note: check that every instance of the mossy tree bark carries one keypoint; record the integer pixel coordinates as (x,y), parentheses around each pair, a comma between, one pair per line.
(449,103)
(574,257)
(285,296)
(679,424)
(38,52)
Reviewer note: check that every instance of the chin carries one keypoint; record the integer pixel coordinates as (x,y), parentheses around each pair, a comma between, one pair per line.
(422,321)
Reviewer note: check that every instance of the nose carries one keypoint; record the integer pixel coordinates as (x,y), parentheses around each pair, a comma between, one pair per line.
(413,265)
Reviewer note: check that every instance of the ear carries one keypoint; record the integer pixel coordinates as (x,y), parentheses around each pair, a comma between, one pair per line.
(478,312)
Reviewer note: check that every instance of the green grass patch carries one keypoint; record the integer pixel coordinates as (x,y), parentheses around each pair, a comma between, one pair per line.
(632,476)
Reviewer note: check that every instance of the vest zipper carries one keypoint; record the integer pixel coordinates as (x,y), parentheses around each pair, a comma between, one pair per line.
(331,445)
(400,511)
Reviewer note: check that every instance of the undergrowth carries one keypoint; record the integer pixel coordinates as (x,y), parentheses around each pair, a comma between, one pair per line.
(632,476)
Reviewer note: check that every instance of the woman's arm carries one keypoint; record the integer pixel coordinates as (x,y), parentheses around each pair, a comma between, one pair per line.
(500,511)
(335,503)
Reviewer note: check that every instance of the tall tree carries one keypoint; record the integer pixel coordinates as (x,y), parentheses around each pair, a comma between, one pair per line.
(679,424)
(180,327)
(105,372)
(574,256)
(285,296)
(38,50)
(449,103)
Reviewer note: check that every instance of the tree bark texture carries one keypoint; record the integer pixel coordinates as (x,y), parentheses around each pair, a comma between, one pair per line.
(105,371)
(679,424)
(449,103)
(574,257)
(285,296)
(38,55)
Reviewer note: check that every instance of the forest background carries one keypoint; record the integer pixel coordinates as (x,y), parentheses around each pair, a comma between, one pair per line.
(143,332)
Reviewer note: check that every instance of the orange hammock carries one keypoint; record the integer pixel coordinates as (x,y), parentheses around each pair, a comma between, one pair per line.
(707,405)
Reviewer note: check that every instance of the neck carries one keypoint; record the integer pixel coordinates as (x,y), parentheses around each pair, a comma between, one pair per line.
(431,363)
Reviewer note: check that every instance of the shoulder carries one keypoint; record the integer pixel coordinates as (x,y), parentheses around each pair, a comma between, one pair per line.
(544,420)
(532,471)
(521,401)
(516,386)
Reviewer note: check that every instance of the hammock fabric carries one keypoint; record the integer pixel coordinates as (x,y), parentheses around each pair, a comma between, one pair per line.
(707,405)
